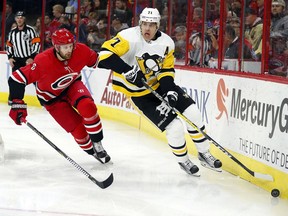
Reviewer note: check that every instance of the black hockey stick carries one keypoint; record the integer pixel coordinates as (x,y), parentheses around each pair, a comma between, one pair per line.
(102,184)
(253,173)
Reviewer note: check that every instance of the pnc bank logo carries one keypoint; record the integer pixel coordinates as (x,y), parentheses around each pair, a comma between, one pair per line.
(222,95)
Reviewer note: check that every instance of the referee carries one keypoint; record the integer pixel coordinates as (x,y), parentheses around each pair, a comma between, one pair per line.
(23,43)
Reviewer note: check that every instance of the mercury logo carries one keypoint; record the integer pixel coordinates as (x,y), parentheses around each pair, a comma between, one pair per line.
(222,94)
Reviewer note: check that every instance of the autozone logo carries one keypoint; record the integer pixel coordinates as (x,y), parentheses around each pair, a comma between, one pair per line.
(262,114)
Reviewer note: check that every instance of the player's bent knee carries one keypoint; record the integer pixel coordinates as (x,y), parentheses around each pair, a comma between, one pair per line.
(86,107)
(175,132)
(193,114)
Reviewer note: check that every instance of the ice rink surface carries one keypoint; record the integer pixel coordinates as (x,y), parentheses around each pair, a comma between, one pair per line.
(36,180)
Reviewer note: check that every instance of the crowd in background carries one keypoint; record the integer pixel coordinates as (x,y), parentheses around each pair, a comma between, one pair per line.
(199,41)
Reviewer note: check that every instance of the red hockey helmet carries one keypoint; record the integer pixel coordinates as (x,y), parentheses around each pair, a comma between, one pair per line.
(62,37)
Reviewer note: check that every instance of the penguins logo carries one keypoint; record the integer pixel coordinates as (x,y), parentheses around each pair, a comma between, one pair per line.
(150,64)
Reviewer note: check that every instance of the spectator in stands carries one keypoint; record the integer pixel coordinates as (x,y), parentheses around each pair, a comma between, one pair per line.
(102,23)
(88,6)
(47,32)
(10,19)
(83,31)
(278,59)
(117,25)
(57,11)
(37,26)
(212,37)
(197,20)
(164,19)
(195,50)
(66,23)
(230,15)
(122,10)
(180,42)
(279,20)
(236,6)
(235,23)
(97,36)
(14,25)
(232,42)
(260,4)
(253,32)
(197,55)
(92,17)
(100,5)
(197,3)
(92,20)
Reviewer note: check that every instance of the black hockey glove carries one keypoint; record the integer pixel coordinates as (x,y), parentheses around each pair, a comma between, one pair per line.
(135,76)
(172,98)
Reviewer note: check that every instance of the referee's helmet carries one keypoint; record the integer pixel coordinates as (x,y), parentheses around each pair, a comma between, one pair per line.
(20,13)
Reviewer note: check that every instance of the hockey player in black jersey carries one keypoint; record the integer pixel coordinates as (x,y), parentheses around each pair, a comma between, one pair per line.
(145,52)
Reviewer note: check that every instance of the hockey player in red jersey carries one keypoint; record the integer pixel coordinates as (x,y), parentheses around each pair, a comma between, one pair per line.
(144,52)
(56,74)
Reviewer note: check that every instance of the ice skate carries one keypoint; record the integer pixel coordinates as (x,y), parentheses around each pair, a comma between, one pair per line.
(209,161)
(100,153)
(190,168)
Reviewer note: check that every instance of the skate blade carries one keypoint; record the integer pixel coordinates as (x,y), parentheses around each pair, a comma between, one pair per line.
(211,168)
(196,174)
(103,160)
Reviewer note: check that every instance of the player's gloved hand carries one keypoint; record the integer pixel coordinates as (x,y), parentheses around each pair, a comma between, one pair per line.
(172,98)
(135,76)
(18,111)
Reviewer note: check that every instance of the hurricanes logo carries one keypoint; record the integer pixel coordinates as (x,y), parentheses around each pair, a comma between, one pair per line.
(64,81)
(150,64)
(222,94)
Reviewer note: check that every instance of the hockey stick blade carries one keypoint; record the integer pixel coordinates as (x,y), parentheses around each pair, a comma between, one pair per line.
(254,174)
(263,176)
(102,184)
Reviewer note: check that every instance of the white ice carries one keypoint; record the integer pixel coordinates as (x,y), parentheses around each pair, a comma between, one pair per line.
(36,180)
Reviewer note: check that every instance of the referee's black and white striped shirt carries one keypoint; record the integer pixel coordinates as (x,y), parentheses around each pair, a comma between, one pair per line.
(23,43)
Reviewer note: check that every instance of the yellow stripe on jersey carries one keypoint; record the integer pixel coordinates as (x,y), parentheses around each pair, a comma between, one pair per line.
(122,85)
(164,74)
(114,43)
(169,60)
(104,55)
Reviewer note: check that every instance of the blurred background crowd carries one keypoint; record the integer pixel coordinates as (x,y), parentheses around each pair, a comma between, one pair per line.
(237,35)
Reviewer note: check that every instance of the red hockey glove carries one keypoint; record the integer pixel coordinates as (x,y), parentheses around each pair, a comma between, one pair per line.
(135,76)
(18,111)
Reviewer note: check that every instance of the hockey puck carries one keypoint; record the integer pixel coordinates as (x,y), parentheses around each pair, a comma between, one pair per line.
(275,192)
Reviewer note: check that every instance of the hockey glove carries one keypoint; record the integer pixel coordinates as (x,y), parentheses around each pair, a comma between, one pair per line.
(172,98)
(134,76)
(18,111)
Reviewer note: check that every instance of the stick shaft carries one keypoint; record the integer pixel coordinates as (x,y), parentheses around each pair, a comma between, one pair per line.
(104,184)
